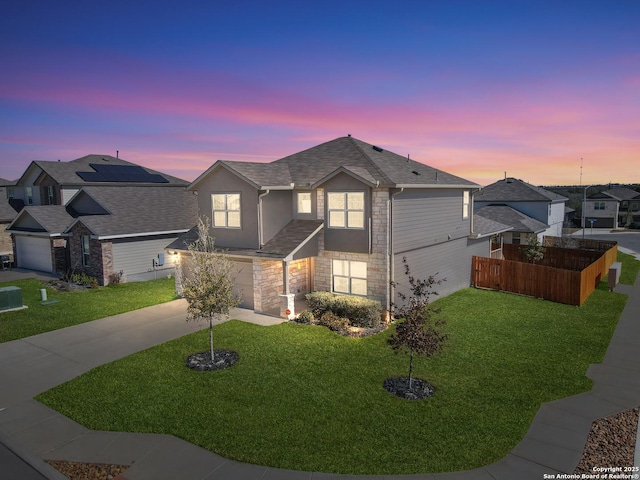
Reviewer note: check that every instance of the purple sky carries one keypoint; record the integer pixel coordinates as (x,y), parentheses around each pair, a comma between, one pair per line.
(476,88)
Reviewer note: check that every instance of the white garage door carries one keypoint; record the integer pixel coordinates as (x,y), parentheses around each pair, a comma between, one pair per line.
(34,253)
(243,271)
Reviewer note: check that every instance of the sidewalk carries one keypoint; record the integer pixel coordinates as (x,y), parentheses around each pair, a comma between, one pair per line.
(553,444)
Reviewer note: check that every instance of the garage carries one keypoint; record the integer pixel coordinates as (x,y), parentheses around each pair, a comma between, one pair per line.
(34,253)
(243,285)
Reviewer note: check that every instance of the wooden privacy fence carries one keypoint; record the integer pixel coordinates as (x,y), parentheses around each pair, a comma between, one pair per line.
(563,275)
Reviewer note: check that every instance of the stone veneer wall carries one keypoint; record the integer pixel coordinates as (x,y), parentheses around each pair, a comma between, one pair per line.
(377,281)
(298,277)
(267,281)
(6,245)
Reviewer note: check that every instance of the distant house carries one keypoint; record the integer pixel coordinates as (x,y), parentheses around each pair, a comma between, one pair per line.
(99,215)
(613,208)
(526,208)
(338,217)
(7,214)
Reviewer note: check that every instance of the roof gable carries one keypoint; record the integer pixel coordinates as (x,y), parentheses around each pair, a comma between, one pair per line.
(51,219)
(509,216)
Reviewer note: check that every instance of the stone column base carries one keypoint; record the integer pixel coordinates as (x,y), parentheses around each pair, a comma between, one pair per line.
(287,306)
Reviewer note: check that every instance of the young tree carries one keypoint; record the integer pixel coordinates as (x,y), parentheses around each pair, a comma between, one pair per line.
(419,331)
(533,251)
(208,284)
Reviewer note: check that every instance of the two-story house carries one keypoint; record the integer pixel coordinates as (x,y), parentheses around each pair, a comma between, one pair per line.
(338,217)
(612,208)
(8,211)
(526,208)
(99,215)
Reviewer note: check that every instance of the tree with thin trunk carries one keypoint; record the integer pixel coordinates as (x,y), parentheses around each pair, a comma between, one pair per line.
(419,326)
(207,281)
(533,251)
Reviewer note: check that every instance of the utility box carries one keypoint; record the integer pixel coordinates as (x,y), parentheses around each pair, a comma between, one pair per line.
(10,298)
(614,275)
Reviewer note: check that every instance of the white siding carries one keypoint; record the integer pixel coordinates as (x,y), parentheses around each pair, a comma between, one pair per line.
(135,259)
(67,193)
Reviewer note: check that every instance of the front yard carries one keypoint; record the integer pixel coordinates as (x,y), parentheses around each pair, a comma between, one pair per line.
(304,398)
(77,306)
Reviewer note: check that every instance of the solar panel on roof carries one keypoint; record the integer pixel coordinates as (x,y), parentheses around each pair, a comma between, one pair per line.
(120,173)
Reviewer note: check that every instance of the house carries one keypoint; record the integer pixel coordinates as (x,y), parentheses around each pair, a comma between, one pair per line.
(114,218)
(339,217)
(612,208)
(525,207)
(7,213)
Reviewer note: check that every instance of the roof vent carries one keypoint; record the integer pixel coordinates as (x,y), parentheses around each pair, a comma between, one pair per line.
(377,149)
(415,172)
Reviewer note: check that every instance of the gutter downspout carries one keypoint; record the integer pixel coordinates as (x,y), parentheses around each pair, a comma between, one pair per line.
(260,229)
(390,268)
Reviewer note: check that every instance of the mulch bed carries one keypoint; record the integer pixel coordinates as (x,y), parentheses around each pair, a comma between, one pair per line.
(399,386)
(87,471)
(221,359)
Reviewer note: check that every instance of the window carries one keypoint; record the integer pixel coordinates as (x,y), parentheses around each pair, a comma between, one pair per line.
(304,202)
(634,206)
(598,205)
(10,193)
(226,210)
(85,250)
(465,204)
(350,277)
(515,238)
(29,191)
(51,195)
(346,209)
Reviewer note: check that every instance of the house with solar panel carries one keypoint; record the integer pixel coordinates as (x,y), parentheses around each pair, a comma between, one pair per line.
(98,215)
(338,217)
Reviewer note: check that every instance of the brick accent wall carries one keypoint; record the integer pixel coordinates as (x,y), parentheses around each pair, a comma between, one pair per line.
(267,281)
(100,255)
(59,254)
(376,261)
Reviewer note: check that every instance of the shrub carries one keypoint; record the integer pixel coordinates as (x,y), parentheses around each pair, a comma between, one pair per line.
(361,312)
(334,322)
(305,317)
(115,278)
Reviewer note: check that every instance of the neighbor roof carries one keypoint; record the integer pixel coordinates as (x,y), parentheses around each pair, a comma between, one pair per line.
(371,164)
(618,193)
(72,173)
(514,190)
(506,215)
(137,211)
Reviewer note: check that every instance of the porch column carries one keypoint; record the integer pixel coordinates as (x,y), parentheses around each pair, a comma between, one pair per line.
(287,299)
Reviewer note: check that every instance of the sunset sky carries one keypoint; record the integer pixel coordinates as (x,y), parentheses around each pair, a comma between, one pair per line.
(475,88)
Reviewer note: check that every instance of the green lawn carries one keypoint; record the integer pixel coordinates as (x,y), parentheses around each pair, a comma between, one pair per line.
(77,306)
(304,398)
(630,268)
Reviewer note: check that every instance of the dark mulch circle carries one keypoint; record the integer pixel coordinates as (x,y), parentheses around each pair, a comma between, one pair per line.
(221,359)
(399,386)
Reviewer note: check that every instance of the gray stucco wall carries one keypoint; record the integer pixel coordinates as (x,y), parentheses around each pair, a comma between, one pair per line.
(277,212)
(223,181)
(347,239)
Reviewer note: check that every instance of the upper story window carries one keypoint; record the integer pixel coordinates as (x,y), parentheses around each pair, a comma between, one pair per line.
(598,205)
(226,210)
(51,195)
(516,239)
(304,202)
(346,209)
(465,204)
(29,194)
(10,193)
(85,250)
(625,204)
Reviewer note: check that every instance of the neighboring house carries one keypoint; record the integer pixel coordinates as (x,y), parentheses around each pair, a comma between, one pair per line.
(525,207)
(119,220)
(339,217)
(613,208)
(7,214)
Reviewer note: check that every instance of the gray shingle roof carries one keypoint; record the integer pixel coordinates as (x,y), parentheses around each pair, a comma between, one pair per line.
(291,237)
(506,215)
(53,219)
(514,190)
(140,210)
(620,193)
(483,226)
(65,173)
(373,164)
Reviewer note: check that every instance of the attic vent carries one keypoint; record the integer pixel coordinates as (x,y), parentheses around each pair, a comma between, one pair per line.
(377,149)
(415,173)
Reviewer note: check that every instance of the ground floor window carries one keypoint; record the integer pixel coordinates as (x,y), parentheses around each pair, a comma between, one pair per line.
(85,250)
(349,277)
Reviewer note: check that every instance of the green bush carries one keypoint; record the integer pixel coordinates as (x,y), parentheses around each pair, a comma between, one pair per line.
(334,322)
(361,312)
(305,317)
